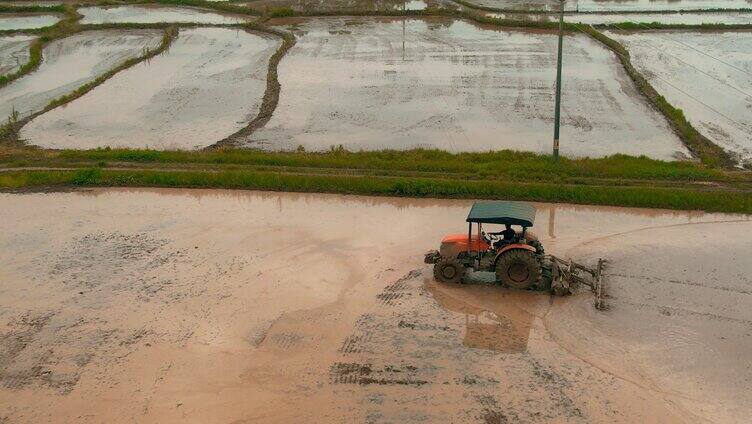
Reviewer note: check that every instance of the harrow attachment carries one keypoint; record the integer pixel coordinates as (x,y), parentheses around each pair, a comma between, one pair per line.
(566,275)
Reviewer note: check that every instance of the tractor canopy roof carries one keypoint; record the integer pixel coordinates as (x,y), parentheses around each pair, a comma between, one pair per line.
(512,213)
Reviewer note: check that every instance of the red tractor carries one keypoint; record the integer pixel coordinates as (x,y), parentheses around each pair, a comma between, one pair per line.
(515,256)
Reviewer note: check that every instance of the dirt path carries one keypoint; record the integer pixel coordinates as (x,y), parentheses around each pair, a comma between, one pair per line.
(227,306)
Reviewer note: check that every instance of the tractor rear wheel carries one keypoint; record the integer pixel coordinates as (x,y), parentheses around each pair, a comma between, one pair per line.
(448,270)
(519,269)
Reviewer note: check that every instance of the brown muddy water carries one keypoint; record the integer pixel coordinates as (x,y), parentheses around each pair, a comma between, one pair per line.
(155,14)
(14,52)
(70,63)
(16,22)
(706,74)
(208,85)
(399,83)
(614,5)
(686,18)
(228,306)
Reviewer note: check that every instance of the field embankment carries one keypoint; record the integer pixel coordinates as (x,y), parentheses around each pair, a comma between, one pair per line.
(616,180)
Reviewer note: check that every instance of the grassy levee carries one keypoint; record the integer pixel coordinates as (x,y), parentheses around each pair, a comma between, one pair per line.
(68,25)
(271,93)
(167,37)
(505,164)
(711,201)
(707,151)
(7,8)
(9,130)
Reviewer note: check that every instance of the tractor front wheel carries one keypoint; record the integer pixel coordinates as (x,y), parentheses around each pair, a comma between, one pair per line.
(448,270)
(519,269)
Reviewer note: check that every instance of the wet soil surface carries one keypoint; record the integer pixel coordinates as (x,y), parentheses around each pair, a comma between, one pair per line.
(208,85)
(154,14)
(686,67)
(14,22)
(14,52)
(614,5)
(224,306)
(70,63)
(440,83)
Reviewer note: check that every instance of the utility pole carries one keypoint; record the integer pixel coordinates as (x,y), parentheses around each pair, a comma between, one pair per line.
(557,113)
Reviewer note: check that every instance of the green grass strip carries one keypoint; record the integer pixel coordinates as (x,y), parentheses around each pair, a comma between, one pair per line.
(7,8)
(515,165)
(711,201)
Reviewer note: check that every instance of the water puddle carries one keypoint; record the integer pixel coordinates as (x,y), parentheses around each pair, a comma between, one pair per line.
(71,62)
(208,85)
(438,83)
(685,66)
(154,14)
(14,52)
(17,22)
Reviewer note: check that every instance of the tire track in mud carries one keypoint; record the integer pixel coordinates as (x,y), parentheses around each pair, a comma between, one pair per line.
(271,95)
(88,275)
(410,350)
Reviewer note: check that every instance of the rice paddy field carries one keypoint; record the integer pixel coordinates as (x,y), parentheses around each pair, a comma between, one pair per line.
(217,211)
(448,82)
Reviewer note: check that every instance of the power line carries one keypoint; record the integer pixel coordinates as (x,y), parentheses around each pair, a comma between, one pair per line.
(737,123)
(702,52)
(742,126)
(647,44)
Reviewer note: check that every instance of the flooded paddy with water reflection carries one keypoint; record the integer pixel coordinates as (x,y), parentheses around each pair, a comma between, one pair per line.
(14,52)
(21,22)
(154,14)
(208,85)
(614,5)
(708,75)
(439,83)
(71,62)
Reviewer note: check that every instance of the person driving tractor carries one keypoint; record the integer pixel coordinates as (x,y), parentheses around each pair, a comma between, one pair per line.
(507,235)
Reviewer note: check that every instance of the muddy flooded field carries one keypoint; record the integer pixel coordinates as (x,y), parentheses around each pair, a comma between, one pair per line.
(71,62)
(208,85)
(614,5)
(686,67)
(439,83)
(154,14)
(14,52)
(687,18)
(225,306)
(18,22)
